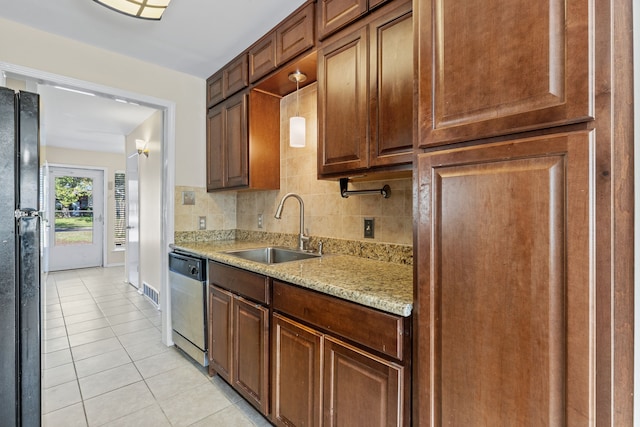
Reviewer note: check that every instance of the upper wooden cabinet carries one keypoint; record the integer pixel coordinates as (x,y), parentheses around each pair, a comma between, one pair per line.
(228,80)
(391,88)
(335,14)
(289,39)
(365,92)
(498,67)
(243,143)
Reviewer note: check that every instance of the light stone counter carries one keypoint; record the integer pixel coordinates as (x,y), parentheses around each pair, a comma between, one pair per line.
(382,285)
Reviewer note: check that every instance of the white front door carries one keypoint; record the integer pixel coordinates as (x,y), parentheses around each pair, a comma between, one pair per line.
(133,231)
(76,218)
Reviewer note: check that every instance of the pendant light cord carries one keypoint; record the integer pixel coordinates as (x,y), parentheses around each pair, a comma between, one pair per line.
(298,97)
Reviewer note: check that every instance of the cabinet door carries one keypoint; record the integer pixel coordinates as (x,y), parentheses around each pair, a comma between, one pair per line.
(342,105)
(251,352)
(295,35)
(360,389)
(505,289)
(497,67)
(391,88)
(220,332)
(334,14)
(215,148)
(235,76)
(262,57)
(296,376)
(214,89)
(236,170)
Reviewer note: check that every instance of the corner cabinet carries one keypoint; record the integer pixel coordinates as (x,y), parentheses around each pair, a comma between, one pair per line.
(243,146)
(239,331)
(349,366)
(365,92)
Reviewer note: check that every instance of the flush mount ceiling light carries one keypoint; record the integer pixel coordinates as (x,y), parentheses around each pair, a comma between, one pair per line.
(144,9)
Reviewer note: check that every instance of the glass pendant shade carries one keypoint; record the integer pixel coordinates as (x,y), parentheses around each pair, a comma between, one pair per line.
(297,132)
(297,123)
(145,9)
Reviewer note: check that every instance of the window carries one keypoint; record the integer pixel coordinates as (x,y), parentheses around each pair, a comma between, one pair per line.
(120,220)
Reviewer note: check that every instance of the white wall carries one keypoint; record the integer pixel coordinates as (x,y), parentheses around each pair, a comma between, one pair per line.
(150,190)
(24,46)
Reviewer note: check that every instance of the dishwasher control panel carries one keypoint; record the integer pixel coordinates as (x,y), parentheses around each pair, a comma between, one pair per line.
(185,265)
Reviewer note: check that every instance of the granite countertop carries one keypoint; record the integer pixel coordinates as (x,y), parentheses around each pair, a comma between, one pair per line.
(382,285)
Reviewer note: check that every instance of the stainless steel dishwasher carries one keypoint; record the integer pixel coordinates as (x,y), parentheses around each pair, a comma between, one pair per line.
(188,283)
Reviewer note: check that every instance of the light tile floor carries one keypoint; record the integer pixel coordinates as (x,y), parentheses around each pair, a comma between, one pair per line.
(104,364)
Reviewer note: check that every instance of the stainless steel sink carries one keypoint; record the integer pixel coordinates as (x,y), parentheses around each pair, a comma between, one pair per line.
(272,255)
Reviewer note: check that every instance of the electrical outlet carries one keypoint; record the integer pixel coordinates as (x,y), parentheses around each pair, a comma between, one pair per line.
(369,228)
(202,222)
(259,220)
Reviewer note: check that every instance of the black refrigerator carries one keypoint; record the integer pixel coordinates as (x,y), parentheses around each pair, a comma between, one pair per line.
(19,259)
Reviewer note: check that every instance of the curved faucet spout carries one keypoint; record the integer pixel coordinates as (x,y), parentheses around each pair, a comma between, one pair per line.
(302,240)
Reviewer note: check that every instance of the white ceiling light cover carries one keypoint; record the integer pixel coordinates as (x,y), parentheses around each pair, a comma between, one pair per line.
(146,9)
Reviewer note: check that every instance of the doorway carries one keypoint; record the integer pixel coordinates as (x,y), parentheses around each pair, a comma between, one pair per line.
(76,218)
(167,154)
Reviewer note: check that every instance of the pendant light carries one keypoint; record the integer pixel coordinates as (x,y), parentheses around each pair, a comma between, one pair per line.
(144,9)
(297,123)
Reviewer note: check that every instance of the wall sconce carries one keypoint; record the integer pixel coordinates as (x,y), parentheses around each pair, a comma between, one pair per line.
(297,123)
(142,147)
(143,9)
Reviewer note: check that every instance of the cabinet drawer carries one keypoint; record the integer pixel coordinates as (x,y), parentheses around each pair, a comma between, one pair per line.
(245,283)
(383,332)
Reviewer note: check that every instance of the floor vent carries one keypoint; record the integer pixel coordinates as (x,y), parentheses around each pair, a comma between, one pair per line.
(151,293)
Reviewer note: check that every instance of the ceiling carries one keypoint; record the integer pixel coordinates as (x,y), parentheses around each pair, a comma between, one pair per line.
(196,37)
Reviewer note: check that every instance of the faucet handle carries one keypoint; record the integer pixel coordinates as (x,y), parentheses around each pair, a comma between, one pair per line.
(320,246)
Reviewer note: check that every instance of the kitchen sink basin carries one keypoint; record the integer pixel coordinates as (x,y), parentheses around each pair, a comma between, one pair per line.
(272,255)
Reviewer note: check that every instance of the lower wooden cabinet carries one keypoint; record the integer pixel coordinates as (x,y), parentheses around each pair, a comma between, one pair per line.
(239,345)
(318,378)
(220,338)
(302,364)
(296,383)
(360,389)
(251,352)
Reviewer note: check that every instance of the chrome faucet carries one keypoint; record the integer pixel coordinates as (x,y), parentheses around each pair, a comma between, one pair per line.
(302,238)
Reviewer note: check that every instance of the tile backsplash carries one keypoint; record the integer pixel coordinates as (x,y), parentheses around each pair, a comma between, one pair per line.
(327,214)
